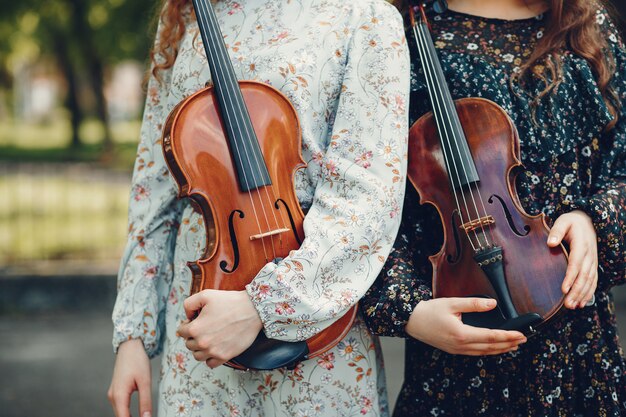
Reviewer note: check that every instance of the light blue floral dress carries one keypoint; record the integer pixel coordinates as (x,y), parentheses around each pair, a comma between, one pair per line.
(344,66)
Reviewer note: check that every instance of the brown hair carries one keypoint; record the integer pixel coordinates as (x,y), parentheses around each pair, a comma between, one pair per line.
(571,25)
(172,22)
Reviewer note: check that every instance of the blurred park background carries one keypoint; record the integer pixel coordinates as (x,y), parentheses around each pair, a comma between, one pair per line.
(71,97)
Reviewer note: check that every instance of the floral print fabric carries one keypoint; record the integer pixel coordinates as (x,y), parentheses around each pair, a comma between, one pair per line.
(575,367)
(345,68)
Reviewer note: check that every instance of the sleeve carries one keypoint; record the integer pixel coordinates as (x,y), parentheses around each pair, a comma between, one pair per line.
(606,203)
(146,268)
(354,216)
(406,278)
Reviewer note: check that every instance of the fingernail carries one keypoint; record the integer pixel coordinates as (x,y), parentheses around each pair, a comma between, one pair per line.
(553,239)
(489,303)
(146,414)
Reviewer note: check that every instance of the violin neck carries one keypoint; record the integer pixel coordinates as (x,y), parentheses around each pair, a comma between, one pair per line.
(459,162)
(247,158)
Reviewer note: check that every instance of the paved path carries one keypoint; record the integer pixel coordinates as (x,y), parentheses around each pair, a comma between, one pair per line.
(59,364)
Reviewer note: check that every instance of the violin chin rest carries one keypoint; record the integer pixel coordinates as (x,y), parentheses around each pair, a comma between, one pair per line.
(494,319)
(266,354)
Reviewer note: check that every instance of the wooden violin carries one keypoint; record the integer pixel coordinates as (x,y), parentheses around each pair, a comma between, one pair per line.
(233,149)
(464,157)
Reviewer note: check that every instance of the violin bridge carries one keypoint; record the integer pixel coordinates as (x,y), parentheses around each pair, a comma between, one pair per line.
(267,234)
(478,223)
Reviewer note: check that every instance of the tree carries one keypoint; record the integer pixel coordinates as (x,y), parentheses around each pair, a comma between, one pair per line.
(84,37)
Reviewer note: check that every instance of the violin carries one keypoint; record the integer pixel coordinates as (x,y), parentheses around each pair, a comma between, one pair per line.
(464,157)
(233,148)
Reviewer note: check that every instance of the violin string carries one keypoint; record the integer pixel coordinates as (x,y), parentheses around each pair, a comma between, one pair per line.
(450,113)
(203,20)
(443,133)
(454,114)
(245,117)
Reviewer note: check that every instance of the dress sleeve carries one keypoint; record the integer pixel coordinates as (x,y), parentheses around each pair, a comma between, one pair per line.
(355,213)
(406,278)
(606,204)
(146,267)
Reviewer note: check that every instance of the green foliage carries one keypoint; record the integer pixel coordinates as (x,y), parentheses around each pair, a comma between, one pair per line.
(69,218)
(116,29)
(82,38)
(48,143)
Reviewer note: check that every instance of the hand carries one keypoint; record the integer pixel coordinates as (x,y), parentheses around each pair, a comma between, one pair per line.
(581,277)
(226,325)
(438,323)
(131,373)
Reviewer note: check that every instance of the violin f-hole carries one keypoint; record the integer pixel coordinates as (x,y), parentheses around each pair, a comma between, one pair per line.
(293,224)
(233,240)
(456,222)
(509,218)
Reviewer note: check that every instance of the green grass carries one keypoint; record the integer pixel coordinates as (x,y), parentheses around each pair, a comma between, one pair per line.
(49,142)
(60,217)
(48,214)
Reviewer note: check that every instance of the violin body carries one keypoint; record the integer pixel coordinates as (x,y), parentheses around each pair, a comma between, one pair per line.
(245,229)
(532,272)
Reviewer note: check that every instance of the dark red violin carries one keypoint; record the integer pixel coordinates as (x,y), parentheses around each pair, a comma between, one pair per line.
(463,159)
(233,149)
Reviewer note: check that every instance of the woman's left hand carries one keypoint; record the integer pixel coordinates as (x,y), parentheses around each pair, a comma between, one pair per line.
(581,278)
(226,325)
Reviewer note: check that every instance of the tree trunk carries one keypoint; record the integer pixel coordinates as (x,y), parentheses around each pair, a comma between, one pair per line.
(95,68)
(96,72)
(71,101)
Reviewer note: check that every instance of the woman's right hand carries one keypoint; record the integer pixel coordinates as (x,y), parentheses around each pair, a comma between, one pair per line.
(438,323)
(131,373)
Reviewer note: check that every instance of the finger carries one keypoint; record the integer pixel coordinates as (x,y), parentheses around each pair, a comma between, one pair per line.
(184,330)
(192,344)
(492,347)
(591,289)
(471,305)
(587,275)
(177,330)
(574,264)
(121,403)
(201,355)
(472,334)
(558,232)
(193,304)
(485,349)
(214,363)
(579,281)
(145,397)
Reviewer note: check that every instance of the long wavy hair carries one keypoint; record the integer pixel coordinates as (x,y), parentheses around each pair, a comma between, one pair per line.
(172,22)
(571,24)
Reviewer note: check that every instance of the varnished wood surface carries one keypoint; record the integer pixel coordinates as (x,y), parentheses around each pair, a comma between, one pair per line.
(534,272)
(198,155)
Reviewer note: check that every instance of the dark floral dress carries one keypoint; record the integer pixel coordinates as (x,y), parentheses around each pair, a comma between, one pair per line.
(575,367)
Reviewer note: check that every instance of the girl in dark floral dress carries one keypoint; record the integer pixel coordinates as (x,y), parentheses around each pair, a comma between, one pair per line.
(560,73)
